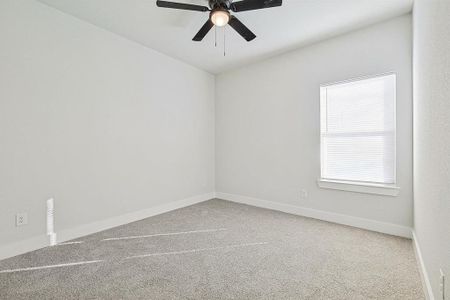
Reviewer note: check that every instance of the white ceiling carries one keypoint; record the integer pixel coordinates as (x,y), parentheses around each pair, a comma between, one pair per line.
(295,24)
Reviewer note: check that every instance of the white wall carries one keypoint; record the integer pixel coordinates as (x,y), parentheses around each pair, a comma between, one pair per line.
(107,127)
(267,122)
(103,125)
(432,137)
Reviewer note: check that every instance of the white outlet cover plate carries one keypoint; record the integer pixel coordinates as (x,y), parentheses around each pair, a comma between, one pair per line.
(304,193)
(21,219)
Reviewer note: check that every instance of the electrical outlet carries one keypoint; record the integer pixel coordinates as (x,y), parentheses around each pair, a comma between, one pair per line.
(442,284)
(303,194)
(21,219)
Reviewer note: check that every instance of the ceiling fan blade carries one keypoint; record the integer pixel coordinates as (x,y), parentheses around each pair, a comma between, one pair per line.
(241,29)
(254,4)
(175,5)
(203,31)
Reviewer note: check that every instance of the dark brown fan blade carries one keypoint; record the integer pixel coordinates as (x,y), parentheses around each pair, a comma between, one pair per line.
(241,29)
(254,4)
(184,6)
(203,31)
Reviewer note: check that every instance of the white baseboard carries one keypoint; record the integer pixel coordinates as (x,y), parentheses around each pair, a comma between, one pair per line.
(79,231)
(422,270)
(24,246)
(42,241)
(388,228)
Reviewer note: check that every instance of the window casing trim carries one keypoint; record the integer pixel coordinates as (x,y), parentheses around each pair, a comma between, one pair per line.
(359,187)
(350,80)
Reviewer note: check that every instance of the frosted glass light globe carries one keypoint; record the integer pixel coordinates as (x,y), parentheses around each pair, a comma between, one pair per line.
(220,18)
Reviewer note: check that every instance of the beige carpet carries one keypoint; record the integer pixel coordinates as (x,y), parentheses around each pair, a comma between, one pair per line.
(219,250)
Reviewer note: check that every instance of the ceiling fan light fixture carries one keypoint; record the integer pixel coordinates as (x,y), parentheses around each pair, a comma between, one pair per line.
(220,17)
(220,14)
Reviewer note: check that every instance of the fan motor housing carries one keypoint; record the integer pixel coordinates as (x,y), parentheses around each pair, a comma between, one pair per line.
(225,4)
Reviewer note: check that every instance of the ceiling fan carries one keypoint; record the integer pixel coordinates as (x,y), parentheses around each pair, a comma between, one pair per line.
(220,14)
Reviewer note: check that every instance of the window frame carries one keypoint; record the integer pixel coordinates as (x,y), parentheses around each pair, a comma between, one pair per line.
(389,189)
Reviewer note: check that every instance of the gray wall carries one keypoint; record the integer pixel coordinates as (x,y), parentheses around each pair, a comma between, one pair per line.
(267,122)
(103,125)
(432,137)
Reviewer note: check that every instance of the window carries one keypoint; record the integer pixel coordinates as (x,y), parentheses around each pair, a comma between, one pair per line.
(357,125)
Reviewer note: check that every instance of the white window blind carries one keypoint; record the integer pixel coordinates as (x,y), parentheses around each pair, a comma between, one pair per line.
(358,130)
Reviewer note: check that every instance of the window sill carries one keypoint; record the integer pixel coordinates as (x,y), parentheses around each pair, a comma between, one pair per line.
(357,187)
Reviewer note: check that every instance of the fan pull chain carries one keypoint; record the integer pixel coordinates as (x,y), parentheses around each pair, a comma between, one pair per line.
(224,41)
(215,36)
